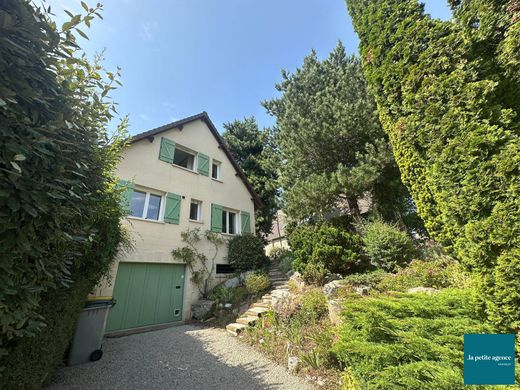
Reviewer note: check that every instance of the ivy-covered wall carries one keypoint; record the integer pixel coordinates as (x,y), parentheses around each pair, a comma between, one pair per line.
(448,96)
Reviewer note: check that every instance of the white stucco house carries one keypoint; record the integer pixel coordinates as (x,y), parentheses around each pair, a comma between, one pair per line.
(177,176)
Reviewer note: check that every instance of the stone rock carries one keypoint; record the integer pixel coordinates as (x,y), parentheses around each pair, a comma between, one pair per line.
(290,273)
(332,277)
(201,309)
(282,303)
(424,290)
(293,363)
(320,381)
(232,283)
(331,288)
(228,306)
(297,281)
(334,312)
(362,290)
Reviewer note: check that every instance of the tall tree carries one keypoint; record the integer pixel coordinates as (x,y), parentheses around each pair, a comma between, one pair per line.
(253,150)
(332,147)
(448,95)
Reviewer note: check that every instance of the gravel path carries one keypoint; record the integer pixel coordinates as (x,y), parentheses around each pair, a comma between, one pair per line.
(181,357)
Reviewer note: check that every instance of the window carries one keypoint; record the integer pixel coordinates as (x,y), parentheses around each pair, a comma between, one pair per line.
(224,269)
(215,170)
(184,159)
(145,205)
(196,210)
(229,222)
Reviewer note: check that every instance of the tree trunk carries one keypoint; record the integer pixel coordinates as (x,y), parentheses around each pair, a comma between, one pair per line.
(354,209)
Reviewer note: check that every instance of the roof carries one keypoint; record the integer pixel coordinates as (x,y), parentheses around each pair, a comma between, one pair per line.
(203,116)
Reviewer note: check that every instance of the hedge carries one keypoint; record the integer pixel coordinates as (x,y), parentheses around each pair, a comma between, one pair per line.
(448,95)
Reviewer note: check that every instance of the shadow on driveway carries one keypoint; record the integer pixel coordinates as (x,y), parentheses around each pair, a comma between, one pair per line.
(180,357)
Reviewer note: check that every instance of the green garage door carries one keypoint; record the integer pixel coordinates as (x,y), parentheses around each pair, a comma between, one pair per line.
(146,294)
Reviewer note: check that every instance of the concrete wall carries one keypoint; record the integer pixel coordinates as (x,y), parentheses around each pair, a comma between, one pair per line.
(154,240)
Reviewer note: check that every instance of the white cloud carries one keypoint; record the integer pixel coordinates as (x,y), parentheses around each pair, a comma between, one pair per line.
(145,117)
(148,30)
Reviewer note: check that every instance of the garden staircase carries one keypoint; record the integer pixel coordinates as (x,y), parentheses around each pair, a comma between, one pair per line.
(278,280)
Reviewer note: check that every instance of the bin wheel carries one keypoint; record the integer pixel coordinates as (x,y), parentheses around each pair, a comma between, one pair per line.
(96,355)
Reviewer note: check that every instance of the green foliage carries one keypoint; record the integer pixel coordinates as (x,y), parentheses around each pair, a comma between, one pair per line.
(60,229)
(370,279)
(440,272)
(246,252)
(314,273)
(332,148)
(257,283)
(223,294)
(200,266)
(286,262)
(448,96)
(408,341)
(386,246)
(253,150)
(333,248)
(313,305)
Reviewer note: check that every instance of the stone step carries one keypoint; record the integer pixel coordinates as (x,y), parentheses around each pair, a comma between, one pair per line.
(279,282)
(267,301)
(235,329)
(282,287)
(261,304)
(256,311)
(247,320)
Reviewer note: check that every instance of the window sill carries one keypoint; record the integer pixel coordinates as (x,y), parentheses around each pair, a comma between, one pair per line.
(230,234)
(217,180)
(195,221)
(145,220)
(185,169)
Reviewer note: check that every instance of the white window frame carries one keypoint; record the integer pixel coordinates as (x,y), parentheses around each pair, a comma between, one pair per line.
(189,151)
(219,170)
(199,210)
(146,204)
(237,221)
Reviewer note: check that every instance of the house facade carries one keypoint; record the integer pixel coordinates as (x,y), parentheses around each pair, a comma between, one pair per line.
(177,177)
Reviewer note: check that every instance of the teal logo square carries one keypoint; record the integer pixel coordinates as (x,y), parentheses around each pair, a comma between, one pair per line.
(489,359)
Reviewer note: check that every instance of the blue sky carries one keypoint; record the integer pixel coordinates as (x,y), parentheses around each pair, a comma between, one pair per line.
(224,57)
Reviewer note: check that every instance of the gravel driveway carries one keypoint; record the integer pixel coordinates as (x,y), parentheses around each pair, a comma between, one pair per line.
(180,357)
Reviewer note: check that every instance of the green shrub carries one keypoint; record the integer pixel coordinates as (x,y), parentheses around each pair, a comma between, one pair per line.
(257,283)
(370,279)
(315,274)
(386,246)
(448,95)
(277,253)
(440,272)
(313,305)
(60,225)
(334,248)
(286,262)
(408,341)
(246,252)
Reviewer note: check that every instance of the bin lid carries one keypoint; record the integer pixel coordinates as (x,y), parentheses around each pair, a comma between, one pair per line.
(100,303)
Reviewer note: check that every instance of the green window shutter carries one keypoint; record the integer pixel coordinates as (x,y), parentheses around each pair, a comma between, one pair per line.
(126,194)
(167,150)
(172,209)
(216,218)
(203,164)
(246,222)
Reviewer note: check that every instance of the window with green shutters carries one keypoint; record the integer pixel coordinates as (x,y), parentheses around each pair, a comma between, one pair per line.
(172,209)
(245,220)
(167,151)
(216,218)
(203,164)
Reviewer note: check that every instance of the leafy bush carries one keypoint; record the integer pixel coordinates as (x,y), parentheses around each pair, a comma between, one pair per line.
(408,341)
(286,262)
(246,252)
(451,110)
(61,229)
(370,279)
(257,283)
(313,305)
(438,272)
(314,273)
(333,248)
(386,246)
(277,253)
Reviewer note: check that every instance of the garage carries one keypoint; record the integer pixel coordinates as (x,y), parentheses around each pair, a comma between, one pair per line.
(146,294)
